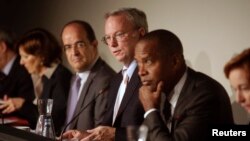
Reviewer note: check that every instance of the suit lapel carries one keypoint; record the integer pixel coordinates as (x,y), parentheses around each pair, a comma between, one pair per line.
(84,93)
(162,106)
(7,84)
(116,84)
(112,94)
(131,87)
(46,87)
(179,112)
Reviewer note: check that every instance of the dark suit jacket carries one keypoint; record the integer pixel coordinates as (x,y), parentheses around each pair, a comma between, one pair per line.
(18,83)
(56,88)
(98,80)
(131,111)
(202,103)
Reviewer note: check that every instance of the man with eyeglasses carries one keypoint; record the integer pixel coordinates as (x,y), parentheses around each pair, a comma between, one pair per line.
(92,76)
(123,29)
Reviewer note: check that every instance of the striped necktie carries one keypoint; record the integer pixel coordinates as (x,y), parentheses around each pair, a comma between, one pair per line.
(120,94)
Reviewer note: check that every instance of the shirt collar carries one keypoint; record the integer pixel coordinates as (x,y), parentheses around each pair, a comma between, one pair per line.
(130,69)
(175,93)
(7,68)
(49,71)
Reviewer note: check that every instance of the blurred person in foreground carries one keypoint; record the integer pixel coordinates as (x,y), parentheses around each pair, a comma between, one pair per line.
(180,103)
(94,74)
(41,56)
(15,81)
(237,71)
(123,28)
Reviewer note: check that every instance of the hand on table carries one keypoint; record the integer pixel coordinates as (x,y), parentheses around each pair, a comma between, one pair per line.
(101,133)
(74,134)
(9,105)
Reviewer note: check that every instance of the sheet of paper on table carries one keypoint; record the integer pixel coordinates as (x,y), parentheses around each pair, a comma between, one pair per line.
(8,121)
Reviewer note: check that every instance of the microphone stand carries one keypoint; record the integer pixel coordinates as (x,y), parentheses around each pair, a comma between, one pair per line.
(82,109)
(2,117)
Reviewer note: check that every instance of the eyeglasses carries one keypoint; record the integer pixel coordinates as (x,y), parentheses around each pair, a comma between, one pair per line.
(119,37)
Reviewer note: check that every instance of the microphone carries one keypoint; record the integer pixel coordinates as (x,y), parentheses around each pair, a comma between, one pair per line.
(83,108)
(1,114)
(2,118)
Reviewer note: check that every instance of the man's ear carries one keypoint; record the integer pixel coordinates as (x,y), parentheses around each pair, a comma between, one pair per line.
(142,31)
(95,43)
(3,47)
(176,60)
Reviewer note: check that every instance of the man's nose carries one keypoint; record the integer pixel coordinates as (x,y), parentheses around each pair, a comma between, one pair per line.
(75,50)
(113,42)
(141,71)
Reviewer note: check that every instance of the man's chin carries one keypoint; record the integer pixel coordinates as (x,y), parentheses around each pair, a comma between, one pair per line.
(151,87)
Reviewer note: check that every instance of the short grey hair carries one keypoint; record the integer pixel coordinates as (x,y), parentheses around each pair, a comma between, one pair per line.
(7,36)
(136,16)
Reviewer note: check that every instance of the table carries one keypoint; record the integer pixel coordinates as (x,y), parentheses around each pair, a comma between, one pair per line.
(15,121)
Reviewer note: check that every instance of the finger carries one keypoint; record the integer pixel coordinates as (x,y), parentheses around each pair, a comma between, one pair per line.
(85,139)
(142,90)
(90,131)
(3,106)
(5,111)
(97,138)
(91,136)
(58,138)
(159,88)
(88,138)
(5,97)
(67,134)
(8,110)
(76,134)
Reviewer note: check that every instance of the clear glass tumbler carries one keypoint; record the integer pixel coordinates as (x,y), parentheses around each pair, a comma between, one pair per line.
(45,126)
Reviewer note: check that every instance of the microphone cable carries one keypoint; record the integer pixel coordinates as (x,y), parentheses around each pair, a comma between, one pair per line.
(82,109)
(2,118)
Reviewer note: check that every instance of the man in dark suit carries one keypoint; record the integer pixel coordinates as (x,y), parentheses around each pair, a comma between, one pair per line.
(123,28)
(15,80)
(180,103)
(80,46)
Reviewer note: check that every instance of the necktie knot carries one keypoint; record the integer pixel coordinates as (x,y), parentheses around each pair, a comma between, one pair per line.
(167,110)
(125,76)
(78,82)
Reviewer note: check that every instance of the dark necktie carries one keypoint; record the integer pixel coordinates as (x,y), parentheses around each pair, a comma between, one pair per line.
(44,79)
(2,76)
(167,110)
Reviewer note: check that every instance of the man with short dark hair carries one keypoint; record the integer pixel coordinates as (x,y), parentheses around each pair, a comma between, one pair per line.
(92,76)
(180,103)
